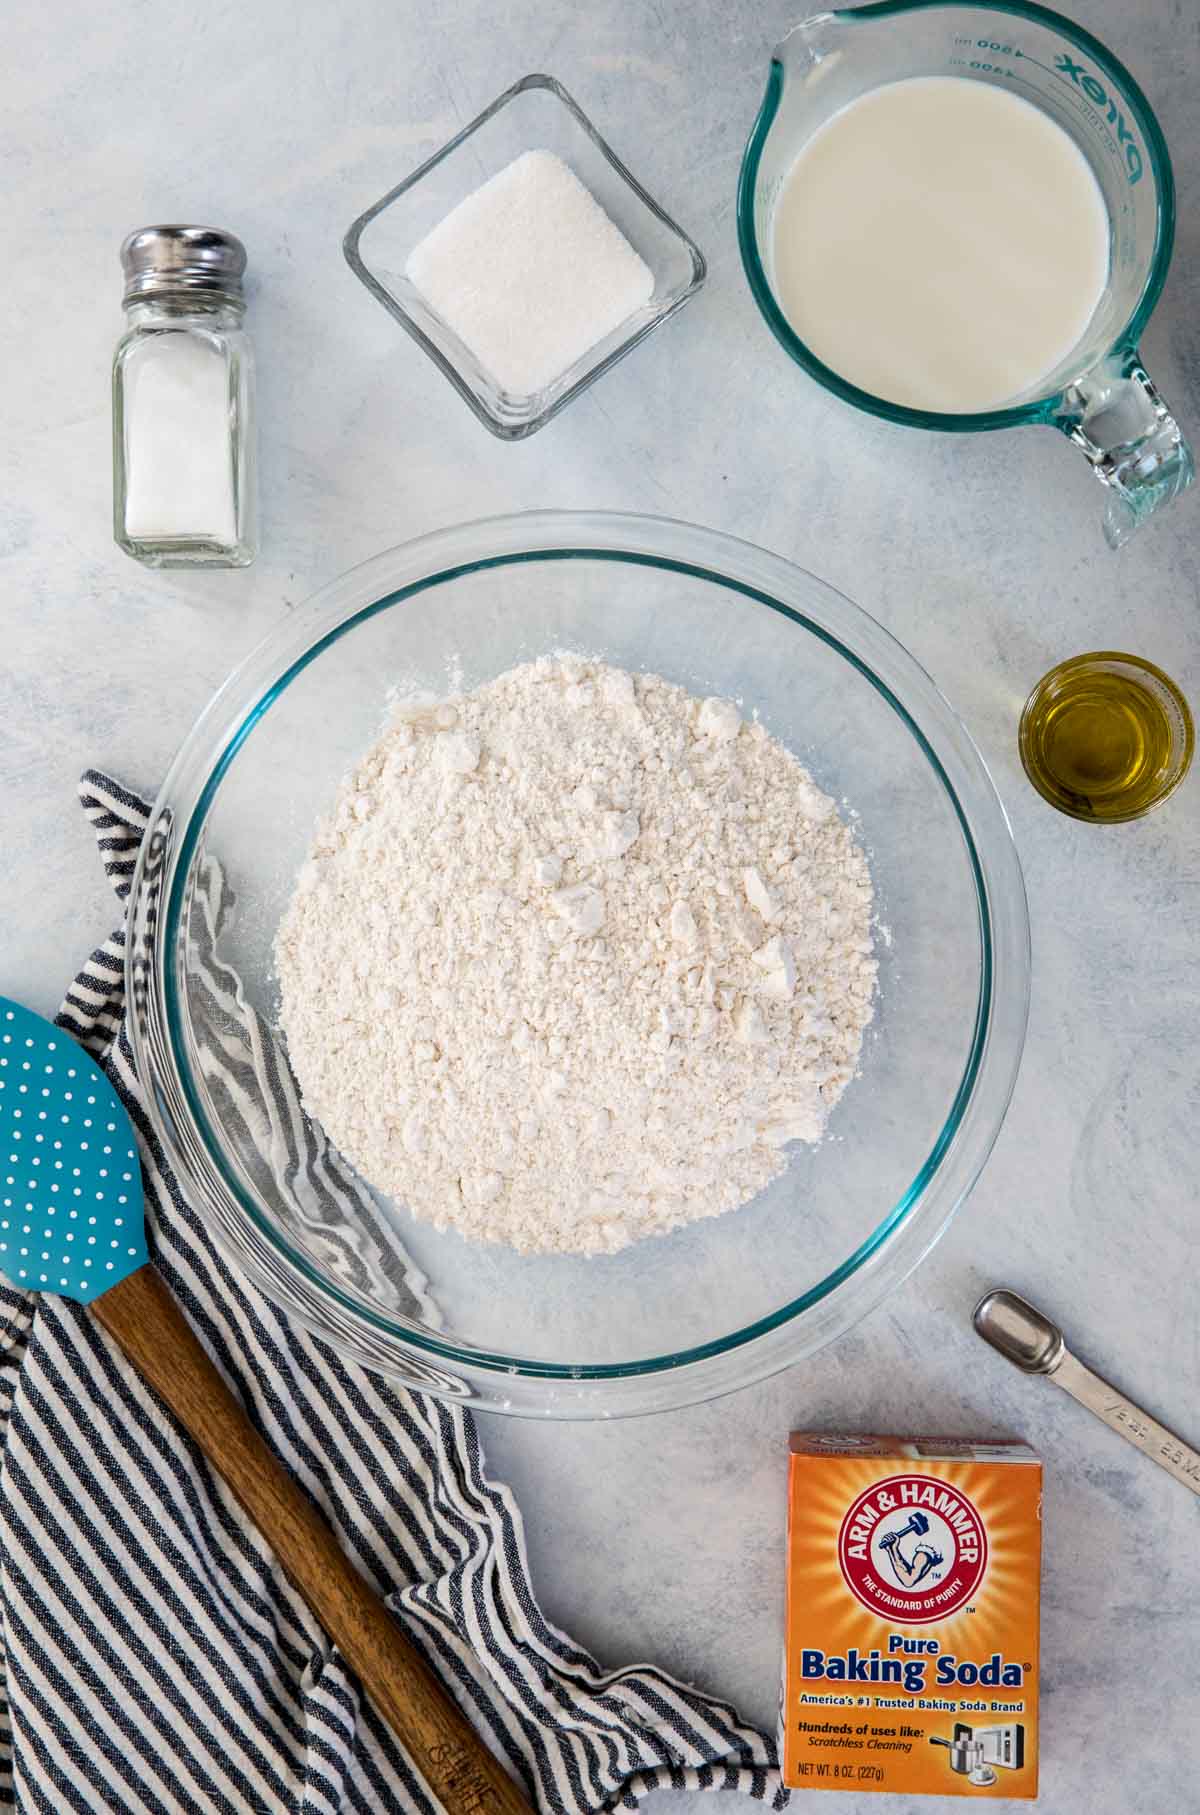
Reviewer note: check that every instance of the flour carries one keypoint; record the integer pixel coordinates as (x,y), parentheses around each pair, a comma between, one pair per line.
(574,957)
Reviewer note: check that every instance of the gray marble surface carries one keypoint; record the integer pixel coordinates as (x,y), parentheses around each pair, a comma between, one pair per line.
(661,1537)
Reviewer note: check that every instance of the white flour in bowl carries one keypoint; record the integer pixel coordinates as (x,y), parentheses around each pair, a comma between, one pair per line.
(573,958)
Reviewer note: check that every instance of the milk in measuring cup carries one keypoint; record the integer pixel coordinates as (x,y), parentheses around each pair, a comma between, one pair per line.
(940,243)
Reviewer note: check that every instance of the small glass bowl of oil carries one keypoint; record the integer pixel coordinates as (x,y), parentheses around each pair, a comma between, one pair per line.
(1106,737)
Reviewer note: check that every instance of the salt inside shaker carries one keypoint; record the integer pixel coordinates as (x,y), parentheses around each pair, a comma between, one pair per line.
(183,441)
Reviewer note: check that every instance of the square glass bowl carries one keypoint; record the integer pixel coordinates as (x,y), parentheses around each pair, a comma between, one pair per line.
(535,114)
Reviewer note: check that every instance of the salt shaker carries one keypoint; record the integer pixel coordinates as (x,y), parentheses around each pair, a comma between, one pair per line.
(183,398)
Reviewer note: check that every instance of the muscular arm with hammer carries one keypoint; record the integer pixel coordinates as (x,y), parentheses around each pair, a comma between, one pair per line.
(910,1570)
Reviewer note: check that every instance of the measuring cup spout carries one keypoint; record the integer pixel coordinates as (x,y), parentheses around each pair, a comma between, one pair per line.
(807,41)
(1132,442)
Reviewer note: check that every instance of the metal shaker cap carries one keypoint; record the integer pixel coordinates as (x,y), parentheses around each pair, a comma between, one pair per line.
(182,261)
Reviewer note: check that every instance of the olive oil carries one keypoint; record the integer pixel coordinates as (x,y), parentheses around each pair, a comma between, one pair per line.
(1106,737)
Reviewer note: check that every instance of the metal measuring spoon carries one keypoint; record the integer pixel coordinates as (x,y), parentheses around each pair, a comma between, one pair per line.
(1035,1345)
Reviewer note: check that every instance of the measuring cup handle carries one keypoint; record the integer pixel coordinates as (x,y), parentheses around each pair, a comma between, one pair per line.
(1135,446)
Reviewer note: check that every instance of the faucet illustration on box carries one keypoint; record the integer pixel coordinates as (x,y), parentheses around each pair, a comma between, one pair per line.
(909,1570)
(973,1751)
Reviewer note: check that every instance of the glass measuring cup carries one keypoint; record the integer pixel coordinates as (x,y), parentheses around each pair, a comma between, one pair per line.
(1100,396)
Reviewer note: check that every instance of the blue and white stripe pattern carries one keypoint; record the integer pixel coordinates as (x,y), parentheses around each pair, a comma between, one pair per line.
(154,1659)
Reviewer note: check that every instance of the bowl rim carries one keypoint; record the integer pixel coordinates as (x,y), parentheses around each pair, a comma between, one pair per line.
(414,1353)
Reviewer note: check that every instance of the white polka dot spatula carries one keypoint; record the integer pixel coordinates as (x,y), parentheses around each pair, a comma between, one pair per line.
(71,1223)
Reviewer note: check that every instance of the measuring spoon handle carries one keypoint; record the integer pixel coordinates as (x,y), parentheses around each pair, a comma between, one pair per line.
(1128,1420)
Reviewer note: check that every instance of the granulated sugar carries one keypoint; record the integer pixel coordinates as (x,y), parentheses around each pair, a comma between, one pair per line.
(574,957)
(530,272)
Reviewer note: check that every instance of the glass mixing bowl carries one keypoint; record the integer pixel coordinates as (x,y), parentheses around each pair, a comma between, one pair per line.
(670,1320)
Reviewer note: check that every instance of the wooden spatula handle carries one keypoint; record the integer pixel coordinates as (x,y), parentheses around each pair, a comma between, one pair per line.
(141,1315)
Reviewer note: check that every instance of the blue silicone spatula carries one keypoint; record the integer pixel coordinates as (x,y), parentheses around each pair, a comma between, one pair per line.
(72,1223)
(71,1204)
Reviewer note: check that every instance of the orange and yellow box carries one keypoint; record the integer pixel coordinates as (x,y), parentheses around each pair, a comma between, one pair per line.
(911,1652)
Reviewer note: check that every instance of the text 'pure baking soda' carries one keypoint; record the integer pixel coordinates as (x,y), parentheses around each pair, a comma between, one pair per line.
(941,243)
(911,1653)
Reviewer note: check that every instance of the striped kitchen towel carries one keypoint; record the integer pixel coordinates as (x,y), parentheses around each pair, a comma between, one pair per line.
(154,1659)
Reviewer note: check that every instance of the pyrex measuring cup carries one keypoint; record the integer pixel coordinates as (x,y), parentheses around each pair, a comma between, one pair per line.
(1100,395)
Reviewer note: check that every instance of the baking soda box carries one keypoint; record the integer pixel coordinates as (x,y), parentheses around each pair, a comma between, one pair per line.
(911,1656)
